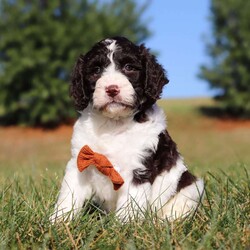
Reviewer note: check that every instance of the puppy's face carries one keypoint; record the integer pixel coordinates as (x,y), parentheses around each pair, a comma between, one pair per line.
(118,78)
(113,74)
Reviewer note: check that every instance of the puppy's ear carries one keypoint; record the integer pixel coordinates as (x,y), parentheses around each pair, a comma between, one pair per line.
(78,90)
(155,76)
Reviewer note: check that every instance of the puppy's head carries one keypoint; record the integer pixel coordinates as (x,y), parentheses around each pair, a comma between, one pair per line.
(118,78)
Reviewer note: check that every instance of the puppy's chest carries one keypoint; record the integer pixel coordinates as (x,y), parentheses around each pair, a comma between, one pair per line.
(125,148)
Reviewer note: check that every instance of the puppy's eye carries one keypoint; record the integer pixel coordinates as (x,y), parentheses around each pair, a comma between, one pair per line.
(97,70)
(129,67)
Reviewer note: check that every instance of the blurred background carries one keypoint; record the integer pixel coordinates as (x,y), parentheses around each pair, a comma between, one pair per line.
(203,45)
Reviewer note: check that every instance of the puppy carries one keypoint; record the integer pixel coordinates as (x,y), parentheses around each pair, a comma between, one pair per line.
(115,87)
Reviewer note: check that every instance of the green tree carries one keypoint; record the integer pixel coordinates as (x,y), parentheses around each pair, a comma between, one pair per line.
(39,43)
(229,49)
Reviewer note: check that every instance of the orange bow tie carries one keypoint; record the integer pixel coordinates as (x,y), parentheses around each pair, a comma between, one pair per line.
(87,157)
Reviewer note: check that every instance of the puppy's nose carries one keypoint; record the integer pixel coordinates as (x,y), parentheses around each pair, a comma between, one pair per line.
(112,90)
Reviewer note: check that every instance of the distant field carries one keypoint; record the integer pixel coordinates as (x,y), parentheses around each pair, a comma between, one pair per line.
(32,162)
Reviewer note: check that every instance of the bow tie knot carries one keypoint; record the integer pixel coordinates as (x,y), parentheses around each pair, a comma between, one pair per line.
(87,157)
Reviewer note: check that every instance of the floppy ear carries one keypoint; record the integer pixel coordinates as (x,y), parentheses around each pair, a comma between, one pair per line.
(78,90)
(155,75)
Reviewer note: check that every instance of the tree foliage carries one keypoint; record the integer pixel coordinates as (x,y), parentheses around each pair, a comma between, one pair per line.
(229,49)
(39,43)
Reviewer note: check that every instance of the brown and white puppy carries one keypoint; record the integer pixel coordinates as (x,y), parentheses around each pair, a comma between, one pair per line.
(115,87)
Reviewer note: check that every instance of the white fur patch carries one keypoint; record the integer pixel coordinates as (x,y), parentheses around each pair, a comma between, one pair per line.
(111,47)
(120,105)
(184,202)
(165,185)
(117,106)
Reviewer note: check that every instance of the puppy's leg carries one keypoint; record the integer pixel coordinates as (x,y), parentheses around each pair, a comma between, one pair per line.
(170,202)
(165,186)
(74,191)
(184,202)
(133,201)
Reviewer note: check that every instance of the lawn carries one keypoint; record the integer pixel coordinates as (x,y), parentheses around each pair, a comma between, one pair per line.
(32,163)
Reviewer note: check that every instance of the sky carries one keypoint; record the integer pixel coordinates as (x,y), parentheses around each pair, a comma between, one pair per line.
(178,30)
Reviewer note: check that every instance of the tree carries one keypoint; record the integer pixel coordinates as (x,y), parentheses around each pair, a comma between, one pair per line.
(229,49)
(39,44)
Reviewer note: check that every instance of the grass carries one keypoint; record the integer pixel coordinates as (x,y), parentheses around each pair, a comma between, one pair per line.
(220,223)
(30,182)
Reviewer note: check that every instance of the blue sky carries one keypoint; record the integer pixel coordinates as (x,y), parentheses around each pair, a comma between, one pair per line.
(178,30)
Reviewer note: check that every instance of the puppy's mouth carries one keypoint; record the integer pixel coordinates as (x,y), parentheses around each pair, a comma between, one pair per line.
(117,110)
(116,105)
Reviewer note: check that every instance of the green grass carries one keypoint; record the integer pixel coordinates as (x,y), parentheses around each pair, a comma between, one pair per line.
(221,222)
(31,178)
